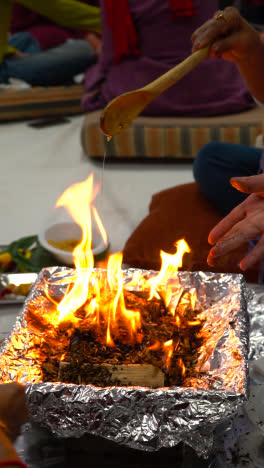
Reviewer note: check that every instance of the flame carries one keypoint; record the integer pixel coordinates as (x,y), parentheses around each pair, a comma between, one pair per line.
(155,346)
(170,264)
(63,357)
(182,367)
(77,199)
(168,349)
(193,298)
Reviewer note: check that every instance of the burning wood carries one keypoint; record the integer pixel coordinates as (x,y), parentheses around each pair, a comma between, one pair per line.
(142,375)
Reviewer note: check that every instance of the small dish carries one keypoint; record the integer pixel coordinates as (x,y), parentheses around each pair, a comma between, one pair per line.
(59,232)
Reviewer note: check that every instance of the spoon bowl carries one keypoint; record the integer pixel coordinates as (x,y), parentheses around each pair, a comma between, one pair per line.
(121,111)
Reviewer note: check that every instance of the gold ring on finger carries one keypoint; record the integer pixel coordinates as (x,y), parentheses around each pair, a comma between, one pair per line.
(219,15)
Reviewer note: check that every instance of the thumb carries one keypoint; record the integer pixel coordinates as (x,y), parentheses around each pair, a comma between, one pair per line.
(252,184)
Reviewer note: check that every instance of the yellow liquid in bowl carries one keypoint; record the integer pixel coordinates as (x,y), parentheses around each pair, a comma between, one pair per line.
(68,245)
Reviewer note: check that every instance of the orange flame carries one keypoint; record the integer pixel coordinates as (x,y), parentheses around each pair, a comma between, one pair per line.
(168,349)
(170,264)
(78,200)
(154,347)
(182,367)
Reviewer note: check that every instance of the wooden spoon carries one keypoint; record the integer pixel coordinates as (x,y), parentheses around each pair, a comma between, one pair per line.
(121,111)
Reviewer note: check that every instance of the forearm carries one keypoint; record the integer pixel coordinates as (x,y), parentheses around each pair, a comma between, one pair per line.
(252,71)
(68,13)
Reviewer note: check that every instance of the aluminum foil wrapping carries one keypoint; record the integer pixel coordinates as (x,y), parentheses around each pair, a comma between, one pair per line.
(141,418)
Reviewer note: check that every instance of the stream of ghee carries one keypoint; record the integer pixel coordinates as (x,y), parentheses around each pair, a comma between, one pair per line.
(108,138)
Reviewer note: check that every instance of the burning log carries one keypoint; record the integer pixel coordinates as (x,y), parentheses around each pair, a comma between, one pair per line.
(143,375)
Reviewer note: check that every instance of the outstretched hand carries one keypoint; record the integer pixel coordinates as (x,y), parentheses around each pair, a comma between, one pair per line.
(242,224)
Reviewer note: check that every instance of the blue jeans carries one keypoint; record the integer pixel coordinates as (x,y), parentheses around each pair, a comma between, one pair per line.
(51,67)
(24,42)
(216,163)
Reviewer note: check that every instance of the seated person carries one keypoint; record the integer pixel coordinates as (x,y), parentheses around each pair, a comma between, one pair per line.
(25,58)
(143,40)
(234,40)
(46,33)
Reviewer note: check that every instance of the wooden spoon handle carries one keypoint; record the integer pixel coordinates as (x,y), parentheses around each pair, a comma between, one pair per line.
(159,85)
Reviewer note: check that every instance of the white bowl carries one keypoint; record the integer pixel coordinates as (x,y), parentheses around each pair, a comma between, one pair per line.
(68,230)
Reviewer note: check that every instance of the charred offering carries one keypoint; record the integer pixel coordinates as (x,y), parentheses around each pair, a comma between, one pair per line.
(163,351)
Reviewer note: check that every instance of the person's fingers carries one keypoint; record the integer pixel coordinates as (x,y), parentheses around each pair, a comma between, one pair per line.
(251,184)
(254,255)
(227,47)
(236,215)
(241,233)
(201,30)
(214,29)
(208,34)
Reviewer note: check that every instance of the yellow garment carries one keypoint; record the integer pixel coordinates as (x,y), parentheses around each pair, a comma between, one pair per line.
(67,13)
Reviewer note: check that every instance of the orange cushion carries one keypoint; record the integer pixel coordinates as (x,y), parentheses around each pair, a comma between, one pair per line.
(180,212)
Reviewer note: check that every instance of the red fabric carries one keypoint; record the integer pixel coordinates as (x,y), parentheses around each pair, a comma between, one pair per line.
(123,30)
(182,8)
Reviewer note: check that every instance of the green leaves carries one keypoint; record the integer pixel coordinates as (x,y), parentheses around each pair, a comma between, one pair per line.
(29,255)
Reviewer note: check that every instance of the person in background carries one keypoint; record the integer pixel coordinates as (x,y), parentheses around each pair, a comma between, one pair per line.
(142,40)
(13,413)
(26,57)
(228,175)
(46,33)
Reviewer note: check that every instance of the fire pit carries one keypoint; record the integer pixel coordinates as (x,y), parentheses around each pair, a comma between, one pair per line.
(142,358)
(139,417)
